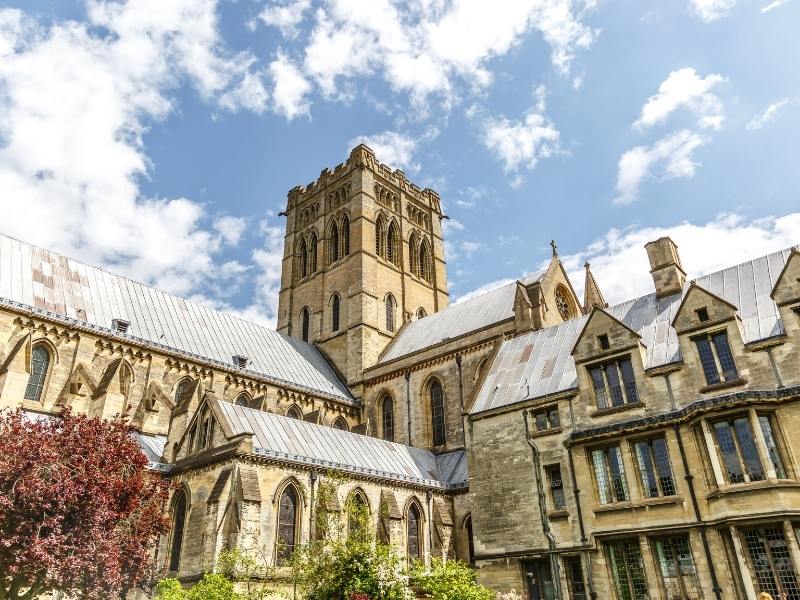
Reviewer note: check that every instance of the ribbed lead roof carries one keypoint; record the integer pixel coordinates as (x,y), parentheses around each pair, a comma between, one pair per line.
(539,363)
(299,441)
(459,319)
(55,285)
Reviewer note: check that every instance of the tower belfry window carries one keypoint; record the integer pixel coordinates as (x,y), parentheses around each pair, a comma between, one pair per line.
(306,317)
(345,245)
(390,312)
(333,244)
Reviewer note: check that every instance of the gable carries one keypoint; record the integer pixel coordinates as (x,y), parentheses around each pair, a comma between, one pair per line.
(700,308)
(556,288)
(600,323)
(787,288)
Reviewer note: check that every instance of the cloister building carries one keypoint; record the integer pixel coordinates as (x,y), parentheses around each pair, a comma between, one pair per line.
(565,448)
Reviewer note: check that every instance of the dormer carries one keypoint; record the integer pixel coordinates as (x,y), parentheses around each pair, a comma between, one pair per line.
(206,431)
(786,293)
(609,360)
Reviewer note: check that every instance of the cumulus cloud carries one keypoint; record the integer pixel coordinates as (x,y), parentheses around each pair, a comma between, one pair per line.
(671,156)
(390,147)
(769,115)
(621,267)
(76,100)
(291,88)
(286,16)
(684,88)
(711,10)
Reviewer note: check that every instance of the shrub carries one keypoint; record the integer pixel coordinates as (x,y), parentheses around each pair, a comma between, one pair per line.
(450,580)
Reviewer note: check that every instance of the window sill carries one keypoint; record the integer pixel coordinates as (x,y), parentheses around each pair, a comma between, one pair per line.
(659,500)
(739,488)
(556,515)
(600,412)
(614,507)
(723,385)
(546,432)
(643,503)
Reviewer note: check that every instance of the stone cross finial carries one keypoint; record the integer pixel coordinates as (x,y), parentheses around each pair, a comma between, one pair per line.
(586,265)
(554,246)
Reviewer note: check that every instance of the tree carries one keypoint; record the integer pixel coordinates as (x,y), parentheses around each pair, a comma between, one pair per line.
(79,510)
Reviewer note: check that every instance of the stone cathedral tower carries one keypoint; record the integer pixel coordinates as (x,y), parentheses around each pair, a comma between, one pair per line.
(363,255)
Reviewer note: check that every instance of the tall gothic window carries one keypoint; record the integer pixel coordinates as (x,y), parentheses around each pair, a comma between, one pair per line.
(345,245)
(424,261)
(333,244)
(294,413)
(392,245)
(387,409)
(414,532)
(183,393)
(312,253)
(335,313)
(303,255)
(178,522)
(437,413)
(40,362)
(380,241)
(390,303)
(413,255)
(470,539)
(287,525)
(242,400)
(306,316)
(358,515)
(340,424)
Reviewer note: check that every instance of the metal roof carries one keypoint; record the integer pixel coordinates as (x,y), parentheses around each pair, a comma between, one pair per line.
(539,363)
(293,440)
(59,287)
(153,448)
(459,319)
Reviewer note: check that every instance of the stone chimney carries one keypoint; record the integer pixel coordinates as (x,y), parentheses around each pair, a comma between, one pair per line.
(665,267)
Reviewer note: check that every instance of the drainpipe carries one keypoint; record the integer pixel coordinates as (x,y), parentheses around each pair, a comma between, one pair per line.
(408,404)
(551,541)
(461,398)
(695,506)
(577,493)
(311,526)
(429,495)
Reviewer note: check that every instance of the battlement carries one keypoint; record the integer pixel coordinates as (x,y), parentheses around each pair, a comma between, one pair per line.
(363,157)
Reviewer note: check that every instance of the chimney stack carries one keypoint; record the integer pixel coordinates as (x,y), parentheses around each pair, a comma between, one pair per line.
(665,267)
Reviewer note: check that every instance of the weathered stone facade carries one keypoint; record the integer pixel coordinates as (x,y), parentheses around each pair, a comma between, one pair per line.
(644,450)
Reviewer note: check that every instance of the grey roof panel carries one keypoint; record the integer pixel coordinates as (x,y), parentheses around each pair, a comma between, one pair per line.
(44,281)
(746,286)
(456,320)
(294,440)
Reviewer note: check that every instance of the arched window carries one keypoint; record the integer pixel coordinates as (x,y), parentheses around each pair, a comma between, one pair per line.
(335,313)
(437,412)
(413,257)
(294,413)
(390,304)
(421,314)
(414,532)
(183,393)
(333,244)
(380,239)
(178,522)
(424,261)
(306,317)
(287,524)
(340,424)
(387,407)
(303,255)
(345,245)
(125,379)
(392,246)
(357,514)
(470,540)
(312,253)
(40,363)
(242,400)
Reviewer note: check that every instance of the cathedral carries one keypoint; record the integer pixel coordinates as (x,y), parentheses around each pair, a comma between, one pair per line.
(565,448)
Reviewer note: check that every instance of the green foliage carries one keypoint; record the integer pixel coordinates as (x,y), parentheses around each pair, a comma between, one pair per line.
(170,589)
(213,586)
(451,580)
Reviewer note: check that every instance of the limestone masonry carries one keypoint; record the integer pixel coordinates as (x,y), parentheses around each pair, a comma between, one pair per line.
(565,448)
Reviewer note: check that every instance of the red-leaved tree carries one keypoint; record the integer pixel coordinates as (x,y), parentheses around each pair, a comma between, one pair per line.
(79,510)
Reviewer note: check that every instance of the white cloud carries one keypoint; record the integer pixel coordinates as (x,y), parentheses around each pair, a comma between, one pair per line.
(620,265)
(711,10)
(773,5)
(521,144)
(669,158)
(286,16)
(619,260)
(391,148)
(683,88)
(291,88)
(230,228)
(76,100)
(769,115)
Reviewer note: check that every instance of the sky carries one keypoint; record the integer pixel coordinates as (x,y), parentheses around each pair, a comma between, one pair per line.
(158,139)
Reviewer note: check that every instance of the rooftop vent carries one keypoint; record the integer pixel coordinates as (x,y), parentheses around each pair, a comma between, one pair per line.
(240,361)
(120,325)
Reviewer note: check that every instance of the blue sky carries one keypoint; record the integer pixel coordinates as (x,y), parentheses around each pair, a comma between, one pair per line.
(159,139)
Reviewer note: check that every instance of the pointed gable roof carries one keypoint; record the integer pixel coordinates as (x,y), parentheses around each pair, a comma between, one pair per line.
(592,296)
(598,315)
(787,287)
(682,321)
